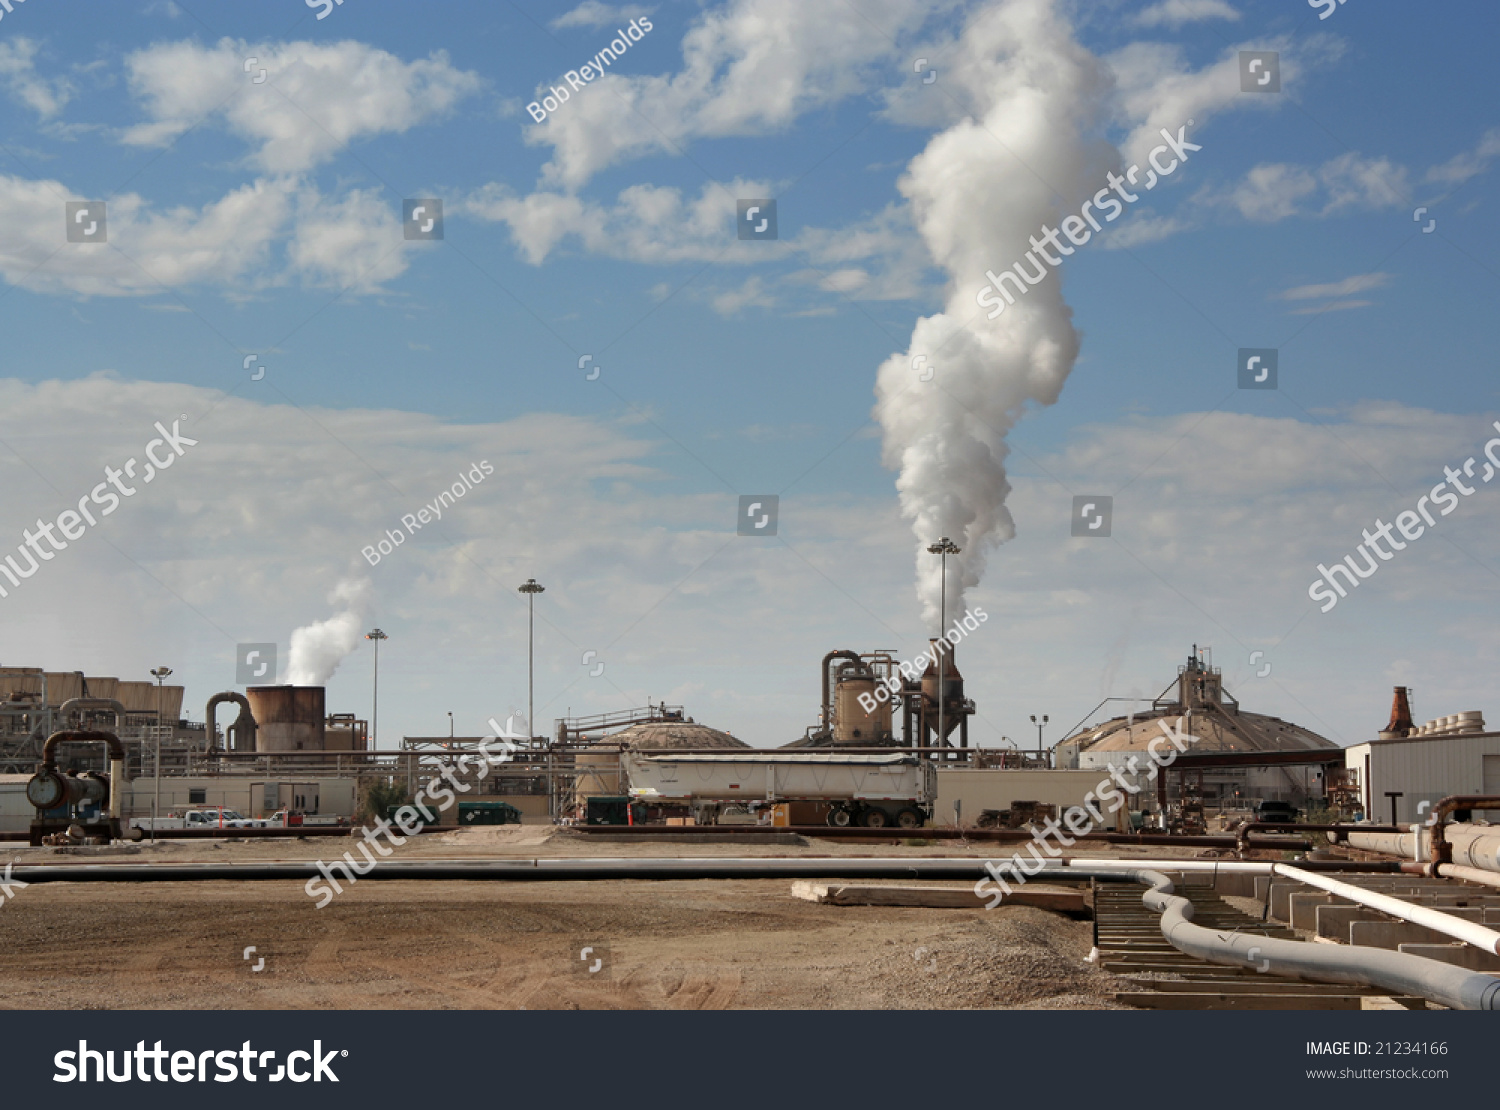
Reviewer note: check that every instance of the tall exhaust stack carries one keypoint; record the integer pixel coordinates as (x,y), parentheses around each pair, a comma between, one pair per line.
(288,718)
(1400,716)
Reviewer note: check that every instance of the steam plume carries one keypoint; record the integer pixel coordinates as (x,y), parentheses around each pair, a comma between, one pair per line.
(978,192)
(317,649)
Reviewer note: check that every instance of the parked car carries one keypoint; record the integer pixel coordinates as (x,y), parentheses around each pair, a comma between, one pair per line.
(1276,811)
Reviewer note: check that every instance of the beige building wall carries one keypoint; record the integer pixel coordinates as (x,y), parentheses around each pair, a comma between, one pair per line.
(979,790)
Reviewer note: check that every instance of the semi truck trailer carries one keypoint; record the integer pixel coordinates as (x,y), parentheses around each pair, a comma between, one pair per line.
(870,790)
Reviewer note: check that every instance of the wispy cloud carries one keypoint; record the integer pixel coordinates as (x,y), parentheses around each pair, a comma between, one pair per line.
(597,16)
(1175,13)
(1359,283)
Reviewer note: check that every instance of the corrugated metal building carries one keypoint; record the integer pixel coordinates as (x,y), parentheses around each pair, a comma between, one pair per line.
(1426,763)
(1423,769)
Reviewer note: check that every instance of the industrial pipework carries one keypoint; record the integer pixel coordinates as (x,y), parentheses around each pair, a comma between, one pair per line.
(50,789)
(243,729)
(79,704)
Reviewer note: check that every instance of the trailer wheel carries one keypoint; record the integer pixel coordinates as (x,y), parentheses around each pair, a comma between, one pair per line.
(909,819)
(839,818)
(875,818)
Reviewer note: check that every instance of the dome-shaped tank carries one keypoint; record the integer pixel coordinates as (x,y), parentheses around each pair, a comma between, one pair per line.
(598,766)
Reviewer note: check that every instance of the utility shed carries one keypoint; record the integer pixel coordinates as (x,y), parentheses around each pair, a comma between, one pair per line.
(1424,768)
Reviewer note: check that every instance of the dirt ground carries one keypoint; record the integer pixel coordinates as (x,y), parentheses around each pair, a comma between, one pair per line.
(495,945)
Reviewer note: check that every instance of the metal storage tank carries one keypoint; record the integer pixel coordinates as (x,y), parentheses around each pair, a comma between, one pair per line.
(287,718)
(851,724)
(952,689)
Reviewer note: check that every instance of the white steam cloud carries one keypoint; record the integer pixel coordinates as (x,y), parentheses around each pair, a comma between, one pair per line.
(317,649)
(1022,158)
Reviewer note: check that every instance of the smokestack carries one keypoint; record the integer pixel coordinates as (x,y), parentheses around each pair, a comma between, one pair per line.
(1400,716)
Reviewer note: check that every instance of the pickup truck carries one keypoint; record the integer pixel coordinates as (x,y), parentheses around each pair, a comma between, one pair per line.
(199,819)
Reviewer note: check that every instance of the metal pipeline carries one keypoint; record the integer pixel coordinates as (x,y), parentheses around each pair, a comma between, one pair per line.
(72,704)
(705,832)
(1396,972)
(1243,830)
(243,727)
(1475,846)
(1467,931)
(1468,874)
(108,739)
(584,868)
(1441,851)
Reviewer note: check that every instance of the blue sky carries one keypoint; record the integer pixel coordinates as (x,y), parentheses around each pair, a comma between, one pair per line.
(264,219)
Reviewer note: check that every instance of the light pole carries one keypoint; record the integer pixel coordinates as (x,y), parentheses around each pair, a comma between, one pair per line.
(450,724)
(376,635)
(943,548)
(1039,725)
(160,674)
(531,588)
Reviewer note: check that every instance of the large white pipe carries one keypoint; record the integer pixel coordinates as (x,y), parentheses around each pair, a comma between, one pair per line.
(1468,874)
(1469,932)
(1397,972)
(1475,846)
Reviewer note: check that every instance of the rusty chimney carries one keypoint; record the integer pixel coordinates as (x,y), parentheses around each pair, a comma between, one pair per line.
(1400,716)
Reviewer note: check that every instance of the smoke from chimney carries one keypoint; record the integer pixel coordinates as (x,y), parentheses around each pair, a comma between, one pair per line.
(317,649)
(978,192)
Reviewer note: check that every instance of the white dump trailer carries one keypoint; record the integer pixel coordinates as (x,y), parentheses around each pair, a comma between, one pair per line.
(870,790)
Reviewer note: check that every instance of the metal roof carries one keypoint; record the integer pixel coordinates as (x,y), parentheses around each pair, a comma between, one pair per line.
(784,757)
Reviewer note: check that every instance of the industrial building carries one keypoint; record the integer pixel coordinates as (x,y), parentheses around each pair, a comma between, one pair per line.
(1197,703)
(1409,768)
(31,700)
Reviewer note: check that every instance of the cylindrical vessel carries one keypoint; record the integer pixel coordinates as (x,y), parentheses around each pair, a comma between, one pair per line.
(49,789)
(287,718)
(953,681)
(853,724)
